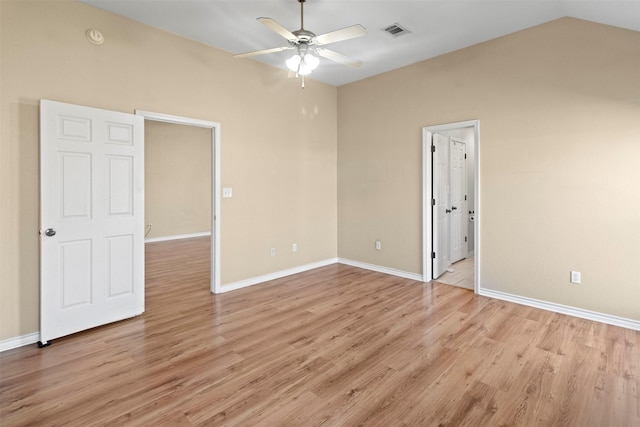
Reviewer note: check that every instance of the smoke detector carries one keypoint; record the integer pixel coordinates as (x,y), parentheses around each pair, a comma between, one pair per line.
(94,36)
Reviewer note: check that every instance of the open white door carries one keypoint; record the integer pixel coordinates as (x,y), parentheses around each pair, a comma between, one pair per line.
(458,180)
(91,218)
(440,204)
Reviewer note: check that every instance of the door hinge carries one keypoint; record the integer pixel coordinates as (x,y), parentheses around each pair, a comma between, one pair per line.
(433,202)
(433,148)
(465,197)
(433,255)
(465,156)
(465,239)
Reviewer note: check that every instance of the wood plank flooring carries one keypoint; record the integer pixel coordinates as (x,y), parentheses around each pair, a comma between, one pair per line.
(335,346)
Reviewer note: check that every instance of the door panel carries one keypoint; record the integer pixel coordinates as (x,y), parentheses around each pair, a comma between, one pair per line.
(441,204)
(120,263)
(120,179)
(458,181)
(75,192)
(92,196)
(75,273)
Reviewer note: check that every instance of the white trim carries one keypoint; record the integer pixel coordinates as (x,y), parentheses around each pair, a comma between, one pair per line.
(277,275)
(177,237)
(563,309)
(178,120)
(380,269)
(477,203)
(215,183)
(427,132)
(21,341)
(427,211)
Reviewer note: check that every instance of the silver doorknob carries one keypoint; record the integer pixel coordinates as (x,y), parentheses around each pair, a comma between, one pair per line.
(50,232)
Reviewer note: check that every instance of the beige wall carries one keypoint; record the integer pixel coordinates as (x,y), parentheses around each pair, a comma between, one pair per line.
(177,179)
(559,111)
(279,143)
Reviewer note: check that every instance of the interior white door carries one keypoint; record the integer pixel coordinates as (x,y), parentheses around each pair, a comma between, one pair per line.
(458,182)
(92,218)
(440,204)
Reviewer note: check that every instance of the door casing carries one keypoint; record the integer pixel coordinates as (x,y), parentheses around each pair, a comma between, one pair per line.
(427,216)
(215,184)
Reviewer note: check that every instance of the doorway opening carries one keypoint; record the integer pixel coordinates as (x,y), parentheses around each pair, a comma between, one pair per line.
(215,184)
(451,202)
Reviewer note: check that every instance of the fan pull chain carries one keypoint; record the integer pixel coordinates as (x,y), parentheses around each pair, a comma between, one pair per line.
(298,74)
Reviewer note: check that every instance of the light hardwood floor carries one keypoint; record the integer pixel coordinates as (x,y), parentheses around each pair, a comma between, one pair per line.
(335,346)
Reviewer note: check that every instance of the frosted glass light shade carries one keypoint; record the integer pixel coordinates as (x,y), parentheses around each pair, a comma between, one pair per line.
(293,62)
(302,66)
(311,61)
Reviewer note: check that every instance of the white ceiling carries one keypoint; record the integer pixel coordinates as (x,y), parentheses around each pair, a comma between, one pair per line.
(436,26)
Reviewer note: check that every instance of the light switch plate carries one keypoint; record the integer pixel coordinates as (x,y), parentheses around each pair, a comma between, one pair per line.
(227,192)
(575,277)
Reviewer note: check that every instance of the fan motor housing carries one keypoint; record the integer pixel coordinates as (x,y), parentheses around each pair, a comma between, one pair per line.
(303,36)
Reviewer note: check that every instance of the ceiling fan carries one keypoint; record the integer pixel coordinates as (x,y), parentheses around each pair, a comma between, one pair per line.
(307,45)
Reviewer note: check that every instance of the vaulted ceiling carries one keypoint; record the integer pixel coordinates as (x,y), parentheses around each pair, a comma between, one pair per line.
(434,27)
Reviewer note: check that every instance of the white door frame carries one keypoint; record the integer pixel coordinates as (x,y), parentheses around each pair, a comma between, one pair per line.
(427,248)
(215,184)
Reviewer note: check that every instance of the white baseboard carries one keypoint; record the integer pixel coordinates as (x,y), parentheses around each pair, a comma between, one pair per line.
(16,342)
(380,269)
(563,309)
(277,275)
(177,236)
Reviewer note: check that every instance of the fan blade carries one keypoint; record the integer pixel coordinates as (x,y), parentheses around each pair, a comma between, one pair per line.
(340,35)
(338,57)
(274,26)
(262,52)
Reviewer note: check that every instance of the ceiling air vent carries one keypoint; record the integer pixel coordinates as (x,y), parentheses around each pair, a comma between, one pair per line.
(396,30)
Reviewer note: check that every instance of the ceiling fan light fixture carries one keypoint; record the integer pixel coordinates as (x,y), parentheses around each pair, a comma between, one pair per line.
(303,64)
(308,46)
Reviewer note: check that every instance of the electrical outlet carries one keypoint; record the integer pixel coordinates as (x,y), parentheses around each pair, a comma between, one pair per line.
(273,251)
(378,245)
(294,247)
(575,277)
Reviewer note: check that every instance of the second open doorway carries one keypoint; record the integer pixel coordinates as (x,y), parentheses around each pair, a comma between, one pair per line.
(451,203)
